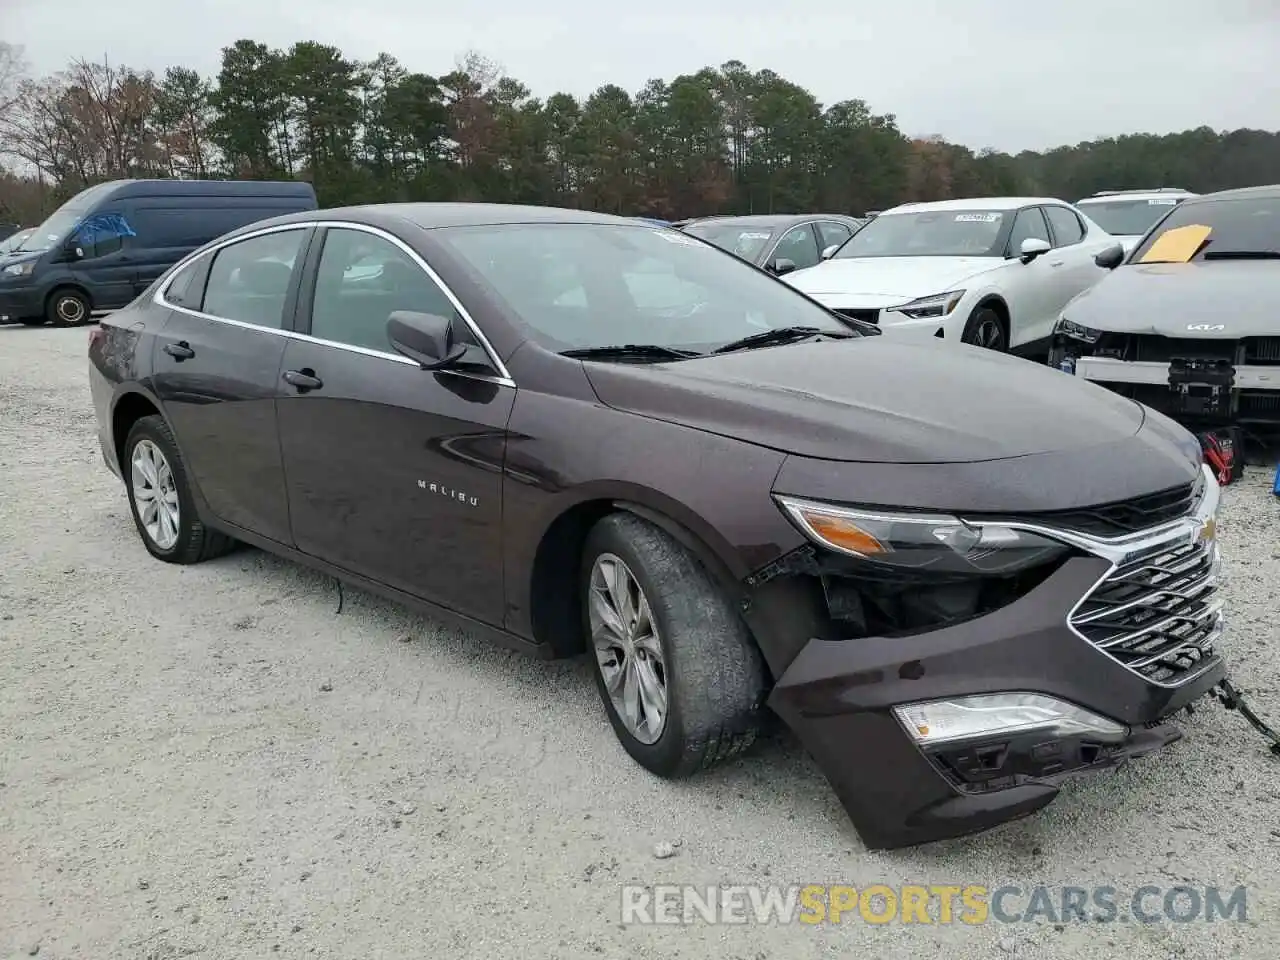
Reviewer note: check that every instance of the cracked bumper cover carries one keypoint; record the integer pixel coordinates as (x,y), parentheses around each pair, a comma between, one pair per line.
(837,696)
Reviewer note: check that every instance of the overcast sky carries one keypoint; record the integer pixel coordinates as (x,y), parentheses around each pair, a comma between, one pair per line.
(1011,74)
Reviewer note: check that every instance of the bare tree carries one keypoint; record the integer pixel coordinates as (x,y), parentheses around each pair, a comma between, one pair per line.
(12,70)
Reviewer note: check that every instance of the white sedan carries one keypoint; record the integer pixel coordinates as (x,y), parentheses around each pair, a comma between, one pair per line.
(995,272)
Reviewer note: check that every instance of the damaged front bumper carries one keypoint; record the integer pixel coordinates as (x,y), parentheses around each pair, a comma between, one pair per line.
(1210,381)
(1124,630)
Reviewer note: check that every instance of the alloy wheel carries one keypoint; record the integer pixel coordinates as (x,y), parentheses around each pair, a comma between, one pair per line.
(989,334)
(628,648)
(155,494)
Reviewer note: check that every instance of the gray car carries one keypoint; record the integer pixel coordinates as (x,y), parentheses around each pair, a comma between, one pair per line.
(779,243)
(1189,322)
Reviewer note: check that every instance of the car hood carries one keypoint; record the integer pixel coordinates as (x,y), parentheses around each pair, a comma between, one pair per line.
(875,400)
(1243,296)
(897,279)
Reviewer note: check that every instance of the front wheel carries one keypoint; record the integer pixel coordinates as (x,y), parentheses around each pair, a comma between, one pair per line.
(682,681)
(985,328)
(67,308)
(160,497)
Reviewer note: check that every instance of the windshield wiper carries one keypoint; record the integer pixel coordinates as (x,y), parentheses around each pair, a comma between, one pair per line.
(1242,255)
(631,351)
(769,338)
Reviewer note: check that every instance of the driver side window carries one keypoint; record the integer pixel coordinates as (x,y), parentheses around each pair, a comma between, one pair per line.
(1029,225)
(101,234)
(361,280)
(800,246)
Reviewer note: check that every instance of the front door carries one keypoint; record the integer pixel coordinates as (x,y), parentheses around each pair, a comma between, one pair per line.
(103,259)
(394,472)
(1034,288)
(217,374)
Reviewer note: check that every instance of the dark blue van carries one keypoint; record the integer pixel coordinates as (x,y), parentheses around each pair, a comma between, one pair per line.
(107,244)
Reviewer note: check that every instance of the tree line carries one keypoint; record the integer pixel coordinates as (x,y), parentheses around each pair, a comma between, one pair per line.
(727,139)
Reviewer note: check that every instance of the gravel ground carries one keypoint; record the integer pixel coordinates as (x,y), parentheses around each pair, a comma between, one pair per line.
(209,762)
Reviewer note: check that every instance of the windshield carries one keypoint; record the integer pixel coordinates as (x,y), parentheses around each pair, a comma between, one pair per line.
(9,244)
(585,285)
(745,242)
(1208,229)
(1126,218)
(63,220)
(933,233)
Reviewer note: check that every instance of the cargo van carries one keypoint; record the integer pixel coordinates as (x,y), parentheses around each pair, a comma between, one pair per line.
(108,243)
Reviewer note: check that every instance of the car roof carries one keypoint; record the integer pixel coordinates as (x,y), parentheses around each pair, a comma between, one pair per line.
(1109,196)
(973,203)
(1267,192)
(767,219)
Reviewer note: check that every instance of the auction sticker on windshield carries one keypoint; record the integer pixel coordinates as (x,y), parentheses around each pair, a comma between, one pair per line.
(754,236)
(671,236)
(1161,202)
(977,217)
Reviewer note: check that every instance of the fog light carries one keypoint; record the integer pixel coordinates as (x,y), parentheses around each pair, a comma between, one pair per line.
(970,718)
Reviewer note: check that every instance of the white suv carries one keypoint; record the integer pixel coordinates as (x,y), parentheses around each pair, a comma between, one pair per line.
(1128,214)
(993,271)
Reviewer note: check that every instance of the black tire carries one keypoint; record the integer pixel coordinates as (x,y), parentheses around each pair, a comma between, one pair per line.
(195,542)
(986,328)
(714,673)
(67,307)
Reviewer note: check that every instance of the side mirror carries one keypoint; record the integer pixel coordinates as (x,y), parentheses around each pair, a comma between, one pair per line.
(1032,248)
(1111,257)
(830,251)
(782,266)
(424,338)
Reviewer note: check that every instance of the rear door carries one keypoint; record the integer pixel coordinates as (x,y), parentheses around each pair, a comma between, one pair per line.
(217,374)
(394,472)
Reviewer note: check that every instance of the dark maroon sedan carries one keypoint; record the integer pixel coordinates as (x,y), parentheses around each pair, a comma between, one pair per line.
(959,577)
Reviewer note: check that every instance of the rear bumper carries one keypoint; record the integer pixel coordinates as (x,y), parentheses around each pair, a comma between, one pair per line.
(838,697)
(100,390)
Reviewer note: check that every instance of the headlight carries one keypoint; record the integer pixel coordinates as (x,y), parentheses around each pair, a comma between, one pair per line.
(1002,714)
(935,544)
(19,269)
(1076,331)
(930,307)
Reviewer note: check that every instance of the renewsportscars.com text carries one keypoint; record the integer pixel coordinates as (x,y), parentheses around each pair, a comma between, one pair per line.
(970,904)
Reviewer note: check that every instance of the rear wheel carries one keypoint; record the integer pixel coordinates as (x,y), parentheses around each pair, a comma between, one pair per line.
(681,679)
(160,497)
(985,328)
(67,307)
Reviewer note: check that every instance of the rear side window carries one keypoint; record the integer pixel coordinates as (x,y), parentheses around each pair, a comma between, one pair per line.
(180,292)
(249,280)
(1066,226)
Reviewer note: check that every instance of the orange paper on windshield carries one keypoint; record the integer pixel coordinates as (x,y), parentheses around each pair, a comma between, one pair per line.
(1178,245)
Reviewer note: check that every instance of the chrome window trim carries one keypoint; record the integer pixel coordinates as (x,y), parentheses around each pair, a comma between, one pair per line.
(811,224)
(503,378)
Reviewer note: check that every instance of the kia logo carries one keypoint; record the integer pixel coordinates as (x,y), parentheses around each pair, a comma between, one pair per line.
(1207,327)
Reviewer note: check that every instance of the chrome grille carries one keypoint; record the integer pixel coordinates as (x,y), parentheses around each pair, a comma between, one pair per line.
(1158,614)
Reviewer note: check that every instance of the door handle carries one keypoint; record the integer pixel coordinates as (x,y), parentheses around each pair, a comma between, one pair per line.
(1056,263)
(304,379)
(179,351)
